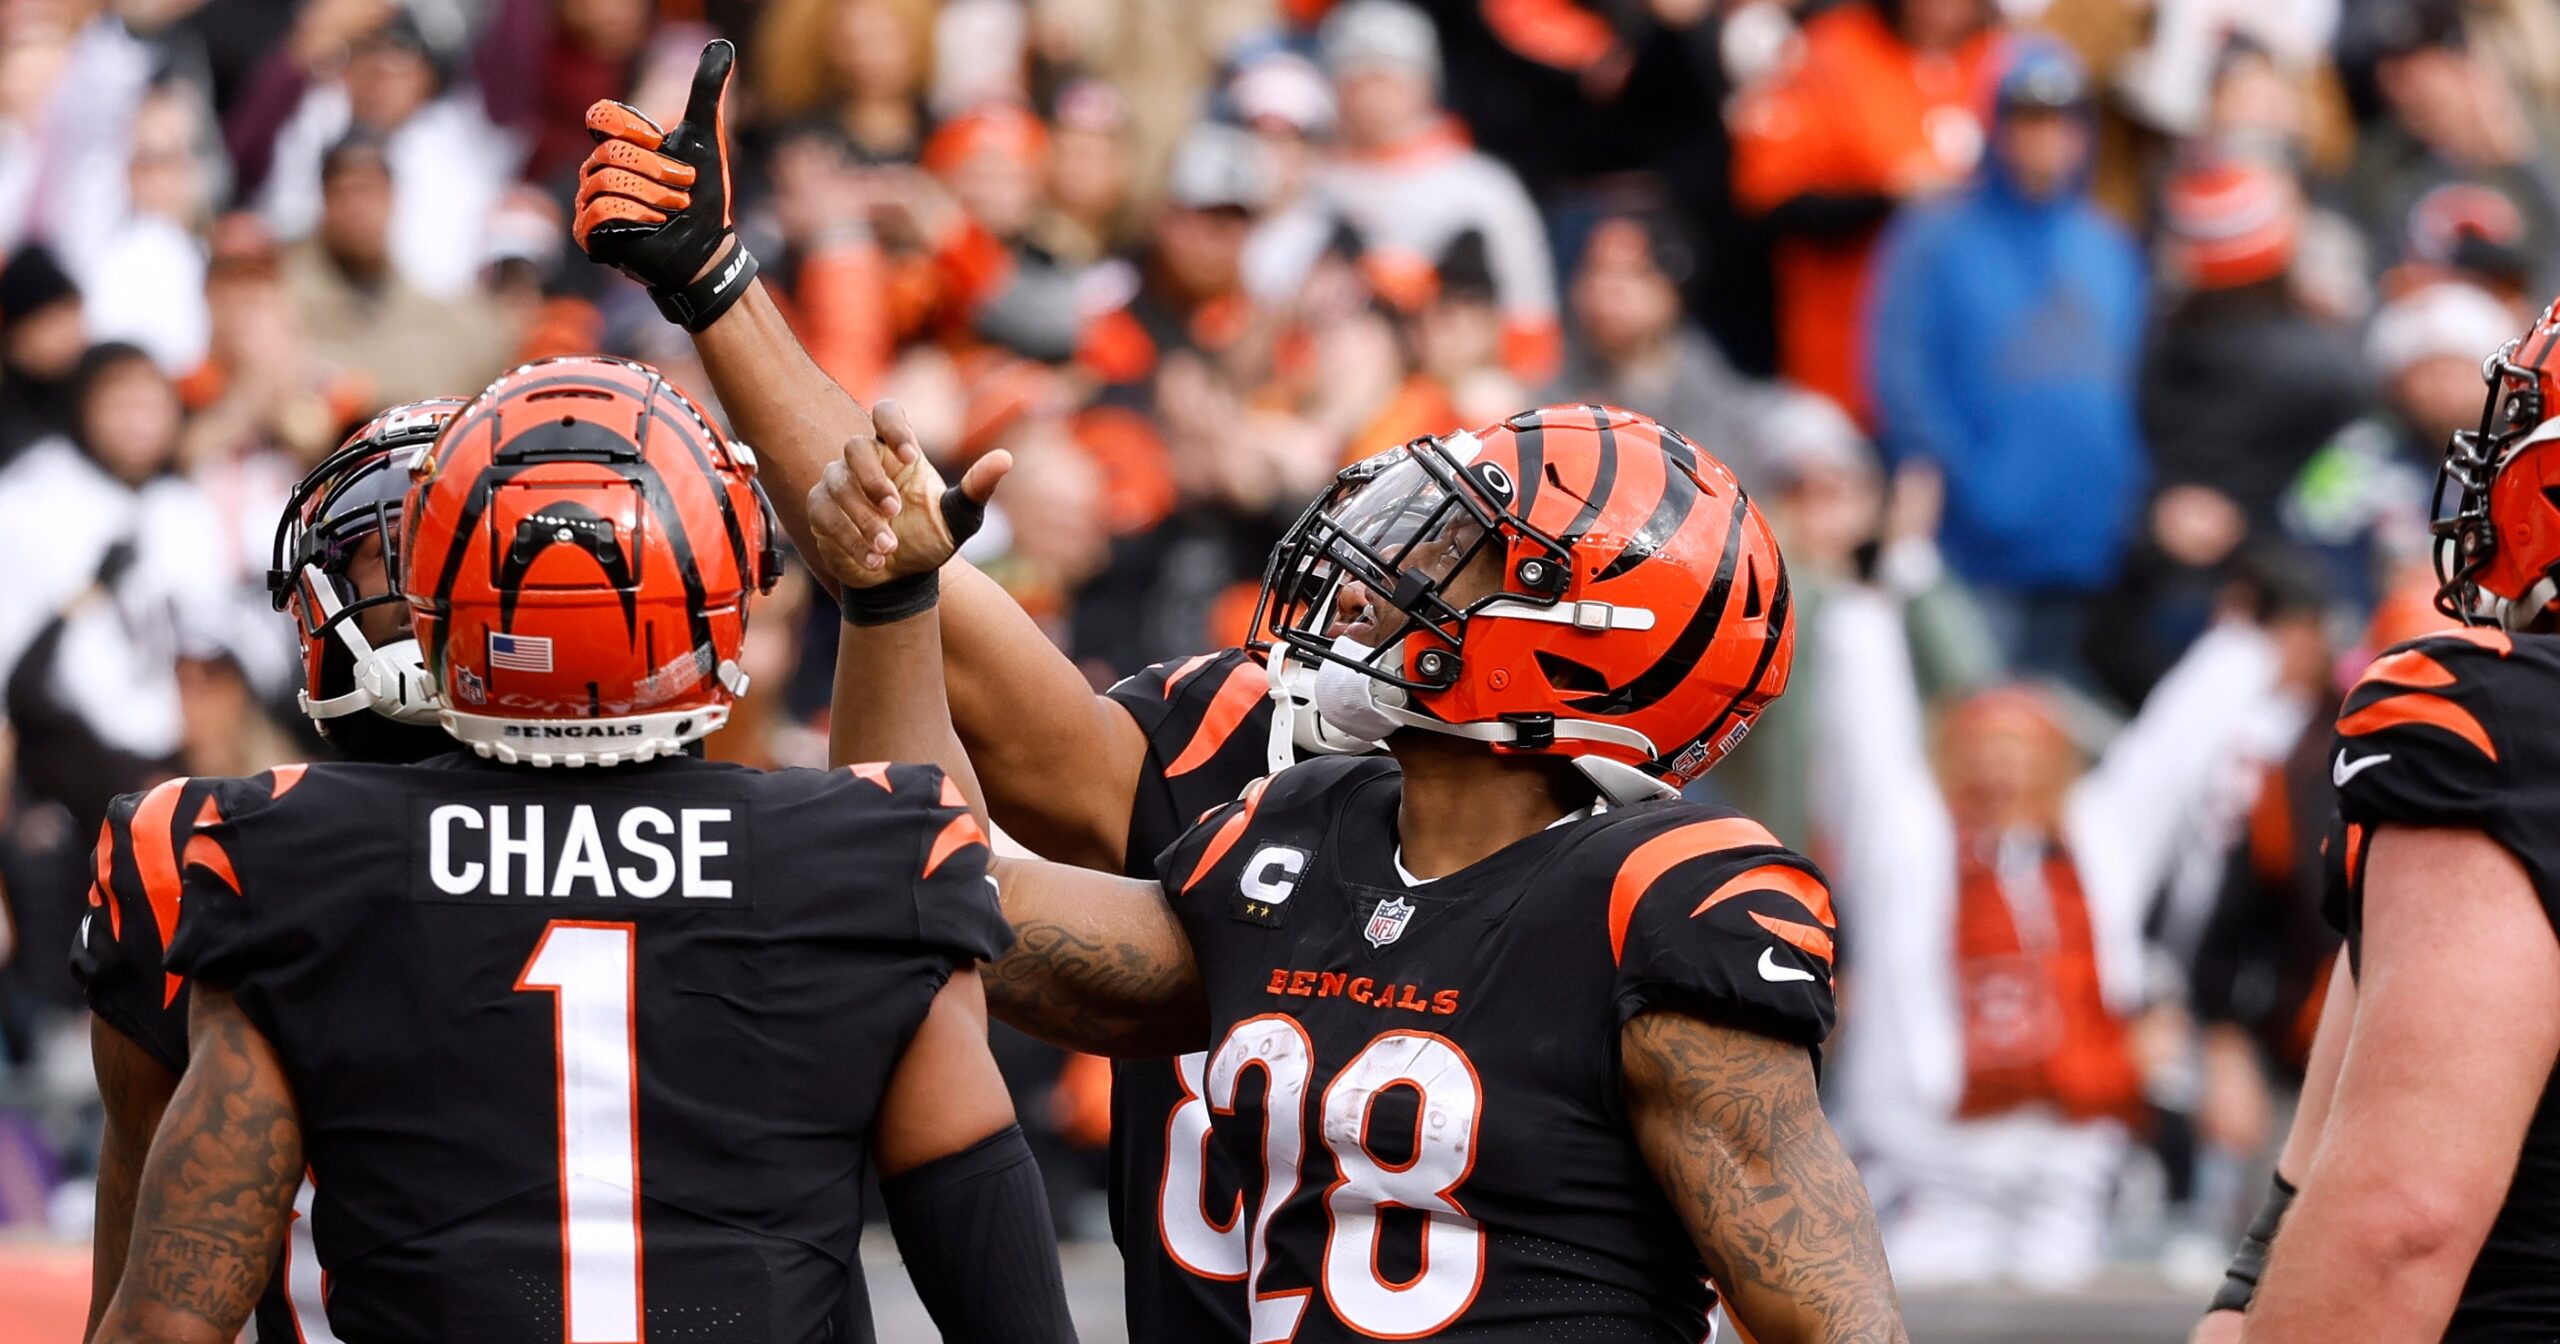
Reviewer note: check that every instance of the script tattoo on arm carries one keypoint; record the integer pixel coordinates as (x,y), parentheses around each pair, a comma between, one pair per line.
(1732,1126)
(1098,964)
(217,1191)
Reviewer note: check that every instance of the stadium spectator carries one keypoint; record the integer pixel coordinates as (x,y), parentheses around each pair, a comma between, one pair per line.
(2240,385)
(860,65)
(1989,1072)
(1406,179)
(1283,99)
(1877,108)
(1088,186)
(2451,117)
(43,329)
(106,549)
(394,82)
(360,311)
(1631,345)
(141,269)
(2003,344)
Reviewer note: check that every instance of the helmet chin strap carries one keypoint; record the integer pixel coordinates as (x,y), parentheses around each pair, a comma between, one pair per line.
(2521,615)
(390,681)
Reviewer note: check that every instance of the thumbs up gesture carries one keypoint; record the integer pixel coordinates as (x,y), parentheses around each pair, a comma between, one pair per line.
(655,204)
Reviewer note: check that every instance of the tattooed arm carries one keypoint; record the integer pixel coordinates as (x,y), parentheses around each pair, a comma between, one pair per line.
(1730,1123)
(217,1192)
(1098,963)
(135,1088)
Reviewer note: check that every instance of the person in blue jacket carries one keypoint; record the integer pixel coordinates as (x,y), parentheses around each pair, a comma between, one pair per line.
(2004,334)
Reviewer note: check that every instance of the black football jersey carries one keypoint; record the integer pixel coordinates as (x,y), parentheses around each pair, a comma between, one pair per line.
(2453,730)
(1208,726)
(1423,1077)
(119,959)
(583,1053)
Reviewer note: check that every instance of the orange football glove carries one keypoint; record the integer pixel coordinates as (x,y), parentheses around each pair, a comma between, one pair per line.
(655,204)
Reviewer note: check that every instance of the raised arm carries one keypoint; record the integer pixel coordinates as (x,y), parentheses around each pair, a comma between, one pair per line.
(135,1090)
(1731,1124)
(1098,962)
(217,1192)
(2377,1246)
(1020,705)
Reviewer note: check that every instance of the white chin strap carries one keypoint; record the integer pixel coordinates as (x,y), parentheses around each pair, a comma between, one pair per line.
(390,681)
(1310,703)
(574,742)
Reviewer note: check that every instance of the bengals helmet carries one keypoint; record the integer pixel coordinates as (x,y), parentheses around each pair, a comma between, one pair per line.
(353,495)
(2498,552)
(580,549)
(1632,613)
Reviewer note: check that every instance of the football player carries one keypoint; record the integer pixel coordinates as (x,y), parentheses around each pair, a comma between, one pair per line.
(2429,1171)
(600,1051)
(366,690)
(1506,1050)
(1104,782)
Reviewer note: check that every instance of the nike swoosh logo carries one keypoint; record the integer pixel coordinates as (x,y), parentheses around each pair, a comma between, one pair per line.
(1776,974)
(2345,769)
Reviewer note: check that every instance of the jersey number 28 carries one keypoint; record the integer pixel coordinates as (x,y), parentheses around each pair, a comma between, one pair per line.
(1443,1152)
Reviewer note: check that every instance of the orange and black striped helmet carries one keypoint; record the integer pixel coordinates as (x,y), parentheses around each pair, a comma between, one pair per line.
(2502,539)
(580,548)
(1577,580)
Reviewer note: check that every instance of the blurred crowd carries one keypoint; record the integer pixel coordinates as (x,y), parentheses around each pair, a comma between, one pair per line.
(2090,357)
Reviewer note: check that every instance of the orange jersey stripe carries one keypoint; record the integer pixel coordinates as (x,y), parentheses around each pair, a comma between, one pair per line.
(2496,641)
(1245,687)
(2409,667)
(959,835)
(1795,882)
(105,854)
(1183,672)
(1228,834)
(282,779)
(875,771)
(2354,858)
(1665,852)
(2423,708)
(1805,936)
(155,856)
(951,795)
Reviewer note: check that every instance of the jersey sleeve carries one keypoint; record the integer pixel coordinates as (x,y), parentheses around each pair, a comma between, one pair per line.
(119,953)
(1207,727)
(2418,743)
(227,937)
(1711,916)
(933,834)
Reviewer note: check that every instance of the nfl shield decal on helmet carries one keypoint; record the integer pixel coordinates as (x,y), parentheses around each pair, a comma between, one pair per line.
(1386,923)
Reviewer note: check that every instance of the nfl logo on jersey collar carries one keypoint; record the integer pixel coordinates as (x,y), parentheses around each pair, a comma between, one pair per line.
(1388,921)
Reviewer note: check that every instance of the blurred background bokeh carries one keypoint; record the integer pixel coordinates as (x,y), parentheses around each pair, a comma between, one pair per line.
(2091,358)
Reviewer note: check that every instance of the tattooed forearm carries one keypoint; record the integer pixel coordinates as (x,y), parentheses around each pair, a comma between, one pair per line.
(134,1087)
(1097,964)
(217,1192)
(1732,1127)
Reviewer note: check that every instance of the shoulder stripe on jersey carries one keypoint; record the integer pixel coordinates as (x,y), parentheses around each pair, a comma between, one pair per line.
(1228,833)
(875,771)
(1183,670)
(1804,887)
(2354,857)
(1806,936)
(280,781)
(2423,709)
(2410,667)
(1247,685)
(106,857)
(959,835)
(203,851)
(155,853)
(1667,851)
(2496,641)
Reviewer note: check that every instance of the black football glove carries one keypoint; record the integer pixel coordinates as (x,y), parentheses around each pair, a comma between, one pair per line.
(655,204)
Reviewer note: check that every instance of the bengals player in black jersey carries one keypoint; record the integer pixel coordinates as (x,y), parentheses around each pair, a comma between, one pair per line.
(2429,1170)
(1103,782)
(1509,1037)
(365,688)
(601,1052)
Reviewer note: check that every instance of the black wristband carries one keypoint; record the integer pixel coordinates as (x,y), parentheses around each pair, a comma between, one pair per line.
(896,600)
(979,1244)
(2240,1280)
(701,303)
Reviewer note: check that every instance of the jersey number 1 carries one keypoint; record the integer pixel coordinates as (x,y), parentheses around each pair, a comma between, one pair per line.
(586,968)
